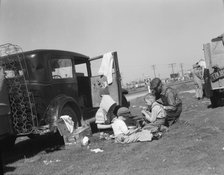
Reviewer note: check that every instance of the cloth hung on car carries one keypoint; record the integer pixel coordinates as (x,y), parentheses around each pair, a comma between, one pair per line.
(106,67)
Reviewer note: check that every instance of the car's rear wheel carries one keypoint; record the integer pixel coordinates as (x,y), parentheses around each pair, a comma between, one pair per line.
(215,99)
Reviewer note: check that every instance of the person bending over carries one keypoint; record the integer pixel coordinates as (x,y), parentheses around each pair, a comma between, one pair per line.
(170,100)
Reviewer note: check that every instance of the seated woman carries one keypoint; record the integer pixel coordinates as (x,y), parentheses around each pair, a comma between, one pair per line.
(105,112)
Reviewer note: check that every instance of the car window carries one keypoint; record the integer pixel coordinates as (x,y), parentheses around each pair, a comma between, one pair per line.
(81,70)
(61,68)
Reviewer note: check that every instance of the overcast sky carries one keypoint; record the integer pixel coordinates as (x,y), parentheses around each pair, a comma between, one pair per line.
(143,32)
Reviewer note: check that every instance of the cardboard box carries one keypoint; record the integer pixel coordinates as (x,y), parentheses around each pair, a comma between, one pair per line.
(81,132)
(64,129)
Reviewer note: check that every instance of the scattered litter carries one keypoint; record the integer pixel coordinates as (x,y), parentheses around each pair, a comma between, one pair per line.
(81,135)
(222,148)
(206,120)
(68,143)
(211,168)
(134,106)
(189,91)
(105,136)
(112,136)
(206,101)
(198,139)
(47,162)
(52,149)
(31,160)
(85,141)
(97,150)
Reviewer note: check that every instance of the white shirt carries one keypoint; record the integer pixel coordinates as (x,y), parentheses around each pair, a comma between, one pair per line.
(119,127)
(202,63)
(106,102)
(101,116)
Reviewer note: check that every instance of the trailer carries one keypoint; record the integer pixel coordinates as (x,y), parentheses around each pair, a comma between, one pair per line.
(214,73)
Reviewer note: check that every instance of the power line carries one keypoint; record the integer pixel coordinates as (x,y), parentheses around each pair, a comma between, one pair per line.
(172,65)
(154,67)
(182,70)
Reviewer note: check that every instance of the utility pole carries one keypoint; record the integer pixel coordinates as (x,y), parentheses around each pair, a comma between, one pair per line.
(172,65)
(182,70)
(154,67)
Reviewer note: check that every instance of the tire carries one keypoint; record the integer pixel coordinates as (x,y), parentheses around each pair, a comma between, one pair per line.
(8,142)
(207,85)
(215,99)
(67,110)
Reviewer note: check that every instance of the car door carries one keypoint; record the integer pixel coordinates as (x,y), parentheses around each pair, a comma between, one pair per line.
(99,82)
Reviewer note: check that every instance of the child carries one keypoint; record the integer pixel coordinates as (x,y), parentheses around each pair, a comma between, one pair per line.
(129,118)
(156,118)
(123,135)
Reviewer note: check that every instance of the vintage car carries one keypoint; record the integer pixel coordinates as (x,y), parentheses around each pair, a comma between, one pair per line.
(46,84)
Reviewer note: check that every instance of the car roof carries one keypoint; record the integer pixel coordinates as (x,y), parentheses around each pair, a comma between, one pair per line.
(52,51)
(49,51)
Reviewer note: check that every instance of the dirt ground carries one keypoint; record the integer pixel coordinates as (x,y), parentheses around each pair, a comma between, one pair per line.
(194,145)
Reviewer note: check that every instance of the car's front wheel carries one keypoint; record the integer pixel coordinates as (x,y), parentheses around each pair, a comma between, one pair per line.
(8,142)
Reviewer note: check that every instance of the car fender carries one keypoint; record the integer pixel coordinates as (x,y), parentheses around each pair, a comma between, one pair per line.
(55,107)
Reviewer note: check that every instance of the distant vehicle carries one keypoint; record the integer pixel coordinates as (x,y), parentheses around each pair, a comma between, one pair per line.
(45,84)
(174,76)
(214,72)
